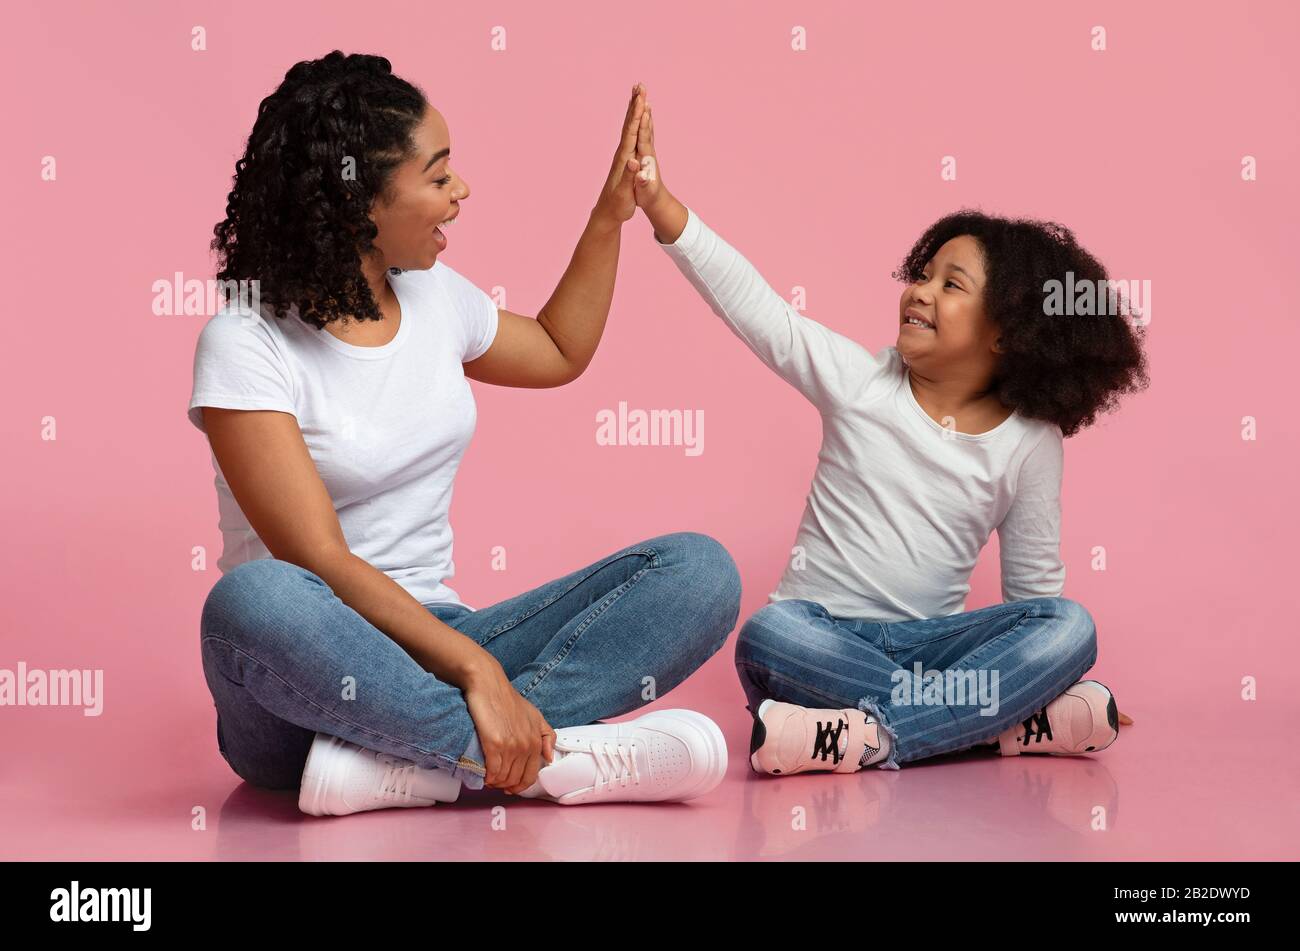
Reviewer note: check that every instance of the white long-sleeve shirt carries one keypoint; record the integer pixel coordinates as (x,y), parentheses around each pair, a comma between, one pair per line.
(900,506)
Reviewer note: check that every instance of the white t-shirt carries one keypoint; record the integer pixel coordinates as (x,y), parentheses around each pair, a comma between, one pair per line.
(386,426)
(899,507)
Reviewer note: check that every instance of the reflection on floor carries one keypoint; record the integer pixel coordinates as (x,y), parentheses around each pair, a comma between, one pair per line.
(1166,789)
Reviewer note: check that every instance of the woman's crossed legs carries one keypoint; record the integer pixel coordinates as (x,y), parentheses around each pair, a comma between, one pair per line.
(285,658)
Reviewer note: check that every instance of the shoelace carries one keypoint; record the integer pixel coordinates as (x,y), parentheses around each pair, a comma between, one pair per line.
(827,742)
(615,762)
(396,782)
(1038,726)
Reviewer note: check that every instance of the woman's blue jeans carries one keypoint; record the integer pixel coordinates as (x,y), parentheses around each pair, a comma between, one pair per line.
(285,658)
(937,685)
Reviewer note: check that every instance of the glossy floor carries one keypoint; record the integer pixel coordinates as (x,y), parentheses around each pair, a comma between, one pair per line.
(1190,786)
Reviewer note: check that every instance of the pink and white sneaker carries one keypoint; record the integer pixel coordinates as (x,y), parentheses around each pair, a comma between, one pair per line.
(788,738)
(340,778)
(668,755)
(1084,719)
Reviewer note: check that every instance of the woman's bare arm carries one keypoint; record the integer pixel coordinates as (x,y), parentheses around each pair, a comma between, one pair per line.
(557,347)
(275,482)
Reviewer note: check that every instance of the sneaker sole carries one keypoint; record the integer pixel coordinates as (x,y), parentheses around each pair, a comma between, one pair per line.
(316,775)
(712,742)
(321,770)
(1112,717)
(758,736)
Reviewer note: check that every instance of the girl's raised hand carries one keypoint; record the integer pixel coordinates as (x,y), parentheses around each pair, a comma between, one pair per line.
(648,183)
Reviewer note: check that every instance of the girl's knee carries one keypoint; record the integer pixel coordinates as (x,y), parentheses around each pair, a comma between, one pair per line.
(1075,628)
(1073,611)
(754,633)
(1080,621)
(772,625)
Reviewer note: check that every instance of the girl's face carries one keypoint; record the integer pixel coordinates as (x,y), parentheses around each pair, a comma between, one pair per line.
(949,300)
(425,192)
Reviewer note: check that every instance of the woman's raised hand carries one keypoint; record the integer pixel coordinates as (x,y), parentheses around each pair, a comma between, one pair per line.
(617,199)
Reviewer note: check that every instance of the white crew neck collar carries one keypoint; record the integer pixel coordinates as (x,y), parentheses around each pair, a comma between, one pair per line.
(911,398)
(384,350)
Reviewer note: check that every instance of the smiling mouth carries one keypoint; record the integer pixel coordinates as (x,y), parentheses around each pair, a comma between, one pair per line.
(439,233)
(910,321)
(444,223)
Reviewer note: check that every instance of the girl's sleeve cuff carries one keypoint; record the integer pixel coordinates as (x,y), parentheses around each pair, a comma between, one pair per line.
(688,238)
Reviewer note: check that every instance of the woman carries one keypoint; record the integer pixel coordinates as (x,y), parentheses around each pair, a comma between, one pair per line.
(866,654)
(338,659)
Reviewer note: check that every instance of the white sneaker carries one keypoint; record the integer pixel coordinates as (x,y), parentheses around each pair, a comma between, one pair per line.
(668,755)
(341,778)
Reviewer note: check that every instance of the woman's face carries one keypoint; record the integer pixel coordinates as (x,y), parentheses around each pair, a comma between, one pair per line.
(950,298)
(425,193)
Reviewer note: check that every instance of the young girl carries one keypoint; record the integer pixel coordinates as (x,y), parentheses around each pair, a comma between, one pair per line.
(866,654)
(339,660)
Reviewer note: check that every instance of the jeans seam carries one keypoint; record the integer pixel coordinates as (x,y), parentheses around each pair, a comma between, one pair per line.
(324,710)
(511,622)
(771,674)
(838,628)
(802,662)
(586,623)
(1024,613)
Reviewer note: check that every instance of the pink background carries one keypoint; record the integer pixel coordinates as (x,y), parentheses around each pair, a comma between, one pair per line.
(822,167)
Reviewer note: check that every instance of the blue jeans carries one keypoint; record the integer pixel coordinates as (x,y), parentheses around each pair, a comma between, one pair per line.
(285,658)
(1024,653)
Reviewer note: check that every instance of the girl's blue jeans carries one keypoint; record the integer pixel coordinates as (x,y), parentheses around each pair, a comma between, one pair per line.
(285,658)
(980,672)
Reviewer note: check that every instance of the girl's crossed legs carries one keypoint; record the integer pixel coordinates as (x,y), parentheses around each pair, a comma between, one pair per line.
(1011,658)
(285,658)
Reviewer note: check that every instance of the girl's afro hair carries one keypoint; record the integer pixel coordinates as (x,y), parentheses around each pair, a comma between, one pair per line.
(1064,368)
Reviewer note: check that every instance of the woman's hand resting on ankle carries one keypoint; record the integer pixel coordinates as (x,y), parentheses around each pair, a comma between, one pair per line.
(515,737)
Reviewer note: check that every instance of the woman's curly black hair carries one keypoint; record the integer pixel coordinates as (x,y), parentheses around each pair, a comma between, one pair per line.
(296,221)
(1065,369)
